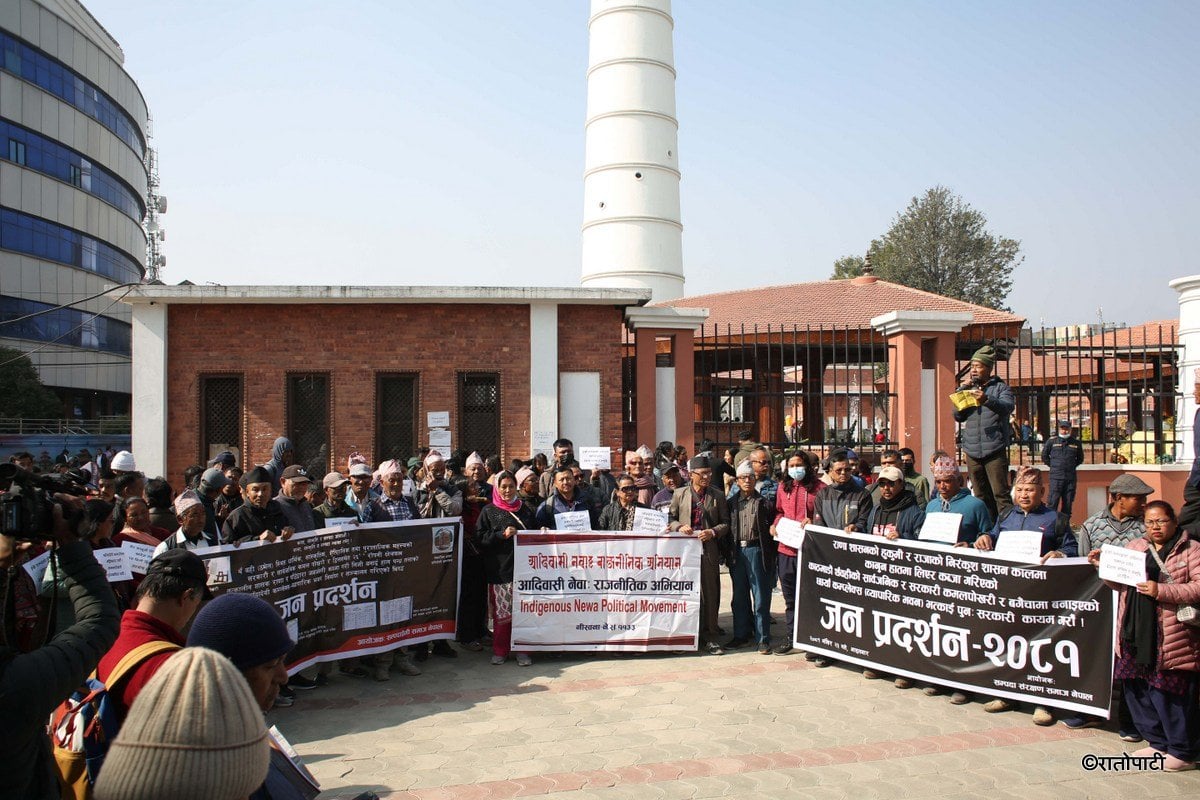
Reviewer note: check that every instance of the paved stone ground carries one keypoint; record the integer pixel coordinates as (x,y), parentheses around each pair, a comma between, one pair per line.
(661,726)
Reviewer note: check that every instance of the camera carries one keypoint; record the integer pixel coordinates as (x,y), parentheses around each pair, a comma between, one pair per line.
(27,503)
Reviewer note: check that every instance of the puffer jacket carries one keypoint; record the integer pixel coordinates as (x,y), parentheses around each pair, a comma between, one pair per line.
(1178,644)
(986,429)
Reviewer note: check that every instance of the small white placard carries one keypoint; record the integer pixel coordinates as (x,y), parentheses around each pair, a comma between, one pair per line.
(115,562)
(1024,547)
(789,532)
(647,520)
(1121,565)
(139,556)
(437,419)
(595,458)
(941,526)
(408,487)
(543,442)
(36,567)
(573,521)
(439,439)
(334,522)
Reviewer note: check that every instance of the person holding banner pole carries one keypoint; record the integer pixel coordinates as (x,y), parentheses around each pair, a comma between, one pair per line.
(795,500)
(753,561)
(498,524)
(700,510)
(1158,654)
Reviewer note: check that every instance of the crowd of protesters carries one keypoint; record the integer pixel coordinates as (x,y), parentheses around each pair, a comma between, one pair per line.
(164,642)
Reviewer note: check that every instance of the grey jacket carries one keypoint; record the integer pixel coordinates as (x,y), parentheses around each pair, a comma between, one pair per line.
(986,429)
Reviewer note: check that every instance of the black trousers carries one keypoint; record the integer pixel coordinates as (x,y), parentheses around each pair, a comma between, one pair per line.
(1062,490)
(472,599)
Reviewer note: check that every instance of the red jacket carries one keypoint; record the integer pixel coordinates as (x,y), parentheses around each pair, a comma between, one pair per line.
(1179,645)
(798,505)
(137,628)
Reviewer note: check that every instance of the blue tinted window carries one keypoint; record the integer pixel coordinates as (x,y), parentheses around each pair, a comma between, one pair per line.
(41,238)
(38,68)
(67,326)
(51,158)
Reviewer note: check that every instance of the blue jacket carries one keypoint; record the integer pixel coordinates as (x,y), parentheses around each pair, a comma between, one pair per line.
(975,516)
(555,504)
(1055,528)
(986,429)
(1062,456)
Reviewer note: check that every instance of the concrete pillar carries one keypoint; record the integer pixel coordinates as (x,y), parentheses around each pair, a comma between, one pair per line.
(149,410)
(1189,341)
(543,377)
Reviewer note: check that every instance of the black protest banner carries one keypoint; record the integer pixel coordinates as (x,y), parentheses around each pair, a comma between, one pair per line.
(354,589)
(958,618)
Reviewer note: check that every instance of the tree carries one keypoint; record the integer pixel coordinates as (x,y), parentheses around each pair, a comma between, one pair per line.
(940,244)
(22,394)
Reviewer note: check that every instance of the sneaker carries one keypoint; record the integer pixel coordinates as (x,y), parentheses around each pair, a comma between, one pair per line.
(783,649)
(903,683)
(764,648)
(996,706)
(734,644)
(523,660)
(870,674)
(284,700)
(442,648)
(497,660)
(405,667)
(1042,716)
(959,699)
(1081,721)
(298,681)
(1130,736)
(932,691)
(715,649)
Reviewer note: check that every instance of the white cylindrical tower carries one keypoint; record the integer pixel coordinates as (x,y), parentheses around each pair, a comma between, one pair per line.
(632,235)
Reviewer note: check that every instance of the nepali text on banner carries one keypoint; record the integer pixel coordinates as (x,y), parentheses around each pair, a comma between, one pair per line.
(599,590)
(351,590)
(959,618)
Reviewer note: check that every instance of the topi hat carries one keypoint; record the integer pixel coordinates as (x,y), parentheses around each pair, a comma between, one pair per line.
(257,475)
(744,468)
(1031,475)
(194,732)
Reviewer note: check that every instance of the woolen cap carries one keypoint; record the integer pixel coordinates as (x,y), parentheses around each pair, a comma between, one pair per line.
(985,355)
(123,462)
(245,629)
(1129,484)
(195,732)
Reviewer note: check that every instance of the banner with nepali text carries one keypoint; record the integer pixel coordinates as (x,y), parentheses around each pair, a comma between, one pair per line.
(959,618)
(599,590)
(351,590)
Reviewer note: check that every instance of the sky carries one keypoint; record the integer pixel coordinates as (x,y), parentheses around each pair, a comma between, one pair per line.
(401,142)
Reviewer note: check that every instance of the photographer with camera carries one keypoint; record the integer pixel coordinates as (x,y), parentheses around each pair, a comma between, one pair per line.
(33,683)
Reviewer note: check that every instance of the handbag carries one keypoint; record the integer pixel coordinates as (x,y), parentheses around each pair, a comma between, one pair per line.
(1187,614)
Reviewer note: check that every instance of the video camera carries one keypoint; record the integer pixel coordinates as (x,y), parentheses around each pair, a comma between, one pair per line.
(27,503)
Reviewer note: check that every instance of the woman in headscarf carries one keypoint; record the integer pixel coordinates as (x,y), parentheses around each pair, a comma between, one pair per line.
(498,523)
(1158,656)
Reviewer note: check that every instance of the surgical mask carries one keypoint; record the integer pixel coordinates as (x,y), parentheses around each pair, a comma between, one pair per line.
(797,473)
(1064,435)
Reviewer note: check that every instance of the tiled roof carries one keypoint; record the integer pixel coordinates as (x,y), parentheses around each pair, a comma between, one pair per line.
(1152,335)
(844,303)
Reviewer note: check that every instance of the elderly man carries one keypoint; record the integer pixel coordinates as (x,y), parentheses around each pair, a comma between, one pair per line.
(699,510)
(292,498)
(638,467)
(394,502)
(1063,454)
(260,517)
(672,479)
(986,430)
(436,496)
(953,498)
(1030,513)
(763,464)
(752,568)
(396,507)
(191,534)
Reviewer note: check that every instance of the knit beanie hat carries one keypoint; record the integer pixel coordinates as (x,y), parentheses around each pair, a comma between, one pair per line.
(985,355)
(194,731)
(245,629)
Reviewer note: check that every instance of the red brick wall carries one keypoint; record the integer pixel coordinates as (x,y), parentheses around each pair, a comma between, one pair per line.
(352,342)
(589,340)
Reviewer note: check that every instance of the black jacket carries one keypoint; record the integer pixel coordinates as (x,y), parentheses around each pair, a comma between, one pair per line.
(249,521)
(497,551)
(610,517)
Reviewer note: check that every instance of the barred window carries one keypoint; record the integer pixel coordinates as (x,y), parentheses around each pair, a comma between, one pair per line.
(308,419)
(479,412)
(220,415)
(395,416)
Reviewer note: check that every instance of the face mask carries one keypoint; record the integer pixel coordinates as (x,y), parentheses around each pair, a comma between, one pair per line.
(1064,436)
(797,473)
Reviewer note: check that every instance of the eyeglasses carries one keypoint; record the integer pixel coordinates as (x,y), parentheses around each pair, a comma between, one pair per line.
(627,489)
(631,462)
(1157,523)
(885,482)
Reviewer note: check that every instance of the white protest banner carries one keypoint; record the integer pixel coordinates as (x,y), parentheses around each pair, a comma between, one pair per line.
(115,562)
(647,520)
(595,458)
(139,556)
(1121,565)
(36,567)
(600,590)
(437,419)
(440,439)
(941,527)
(573,521)
(789,532)
(1024,547)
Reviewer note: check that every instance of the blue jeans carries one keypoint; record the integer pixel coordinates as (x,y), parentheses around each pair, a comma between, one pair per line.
(751,588)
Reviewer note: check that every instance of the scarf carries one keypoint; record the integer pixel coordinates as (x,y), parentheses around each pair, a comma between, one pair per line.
(499,502)
(647,488)
(1139,629)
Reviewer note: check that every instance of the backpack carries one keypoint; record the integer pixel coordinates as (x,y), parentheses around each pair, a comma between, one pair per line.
(84,725)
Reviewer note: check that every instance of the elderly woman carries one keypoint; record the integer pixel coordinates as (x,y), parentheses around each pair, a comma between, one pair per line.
(1158,657)
(498,523)
(527,488)
(618,515)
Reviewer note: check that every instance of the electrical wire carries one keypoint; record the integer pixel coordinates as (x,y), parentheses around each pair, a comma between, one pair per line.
(38,349)
(69,305)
